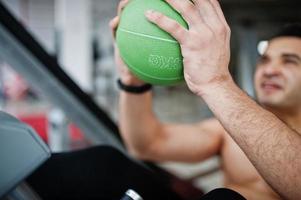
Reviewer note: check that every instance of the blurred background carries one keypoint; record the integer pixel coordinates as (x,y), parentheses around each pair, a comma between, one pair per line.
(76,34)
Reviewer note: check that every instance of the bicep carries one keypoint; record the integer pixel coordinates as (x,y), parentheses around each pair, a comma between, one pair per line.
(187,142)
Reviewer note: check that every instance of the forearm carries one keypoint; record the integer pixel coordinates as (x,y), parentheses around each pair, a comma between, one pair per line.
(137,122)
(272,147)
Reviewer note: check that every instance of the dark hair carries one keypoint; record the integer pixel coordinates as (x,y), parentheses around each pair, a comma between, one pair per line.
(289,30)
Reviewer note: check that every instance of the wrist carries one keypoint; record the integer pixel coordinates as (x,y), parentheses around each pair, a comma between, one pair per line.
(131,81)
(224,82)
(134,89)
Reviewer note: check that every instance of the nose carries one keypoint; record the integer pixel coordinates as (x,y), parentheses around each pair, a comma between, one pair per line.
(271,70)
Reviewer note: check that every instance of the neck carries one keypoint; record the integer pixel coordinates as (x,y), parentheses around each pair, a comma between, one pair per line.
(291,117)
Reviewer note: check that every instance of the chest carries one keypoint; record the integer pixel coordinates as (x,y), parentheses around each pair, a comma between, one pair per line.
(237,167)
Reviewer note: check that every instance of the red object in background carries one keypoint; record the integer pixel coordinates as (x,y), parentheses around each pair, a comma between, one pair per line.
(75,132)
(39,123)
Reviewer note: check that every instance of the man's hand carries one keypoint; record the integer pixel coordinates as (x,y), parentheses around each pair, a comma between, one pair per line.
(205,46)
(125,75)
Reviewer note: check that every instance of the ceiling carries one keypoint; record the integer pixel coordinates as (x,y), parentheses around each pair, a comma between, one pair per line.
(263,15)
(266,16)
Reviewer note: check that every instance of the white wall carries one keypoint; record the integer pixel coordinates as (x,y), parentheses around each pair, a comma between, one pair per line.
(38,17)
(73,22)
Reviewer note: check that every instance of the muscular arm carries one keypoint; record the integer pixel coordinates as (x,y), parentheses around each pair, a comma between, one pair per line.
(270,144)
(148,138)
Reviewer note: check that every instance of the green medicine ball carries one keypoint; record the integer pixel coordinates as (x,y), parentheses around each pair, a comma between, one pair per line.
(151,54)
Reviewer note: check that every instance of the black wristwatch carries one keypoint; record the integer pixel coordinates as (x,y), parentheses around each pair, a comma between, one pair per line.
(134,89)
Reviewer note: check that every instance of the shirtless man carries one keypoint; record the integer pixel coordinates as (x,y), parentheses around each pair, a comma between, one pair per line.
(277,83)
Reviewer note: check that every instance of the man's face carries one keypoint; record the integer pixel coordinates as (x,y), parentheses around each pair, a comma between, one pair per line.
(278,74)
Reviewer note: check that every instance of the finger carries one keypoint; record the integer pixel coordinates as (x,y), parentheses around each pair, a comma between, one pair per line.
(187,9)
(208,13)
(224,29)
(219,11)
(121,5)
(167,24)
(114,25)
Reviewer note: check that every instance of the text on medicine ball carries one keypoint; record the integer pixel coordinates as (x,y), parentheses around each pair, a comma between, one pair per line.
(163,62)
